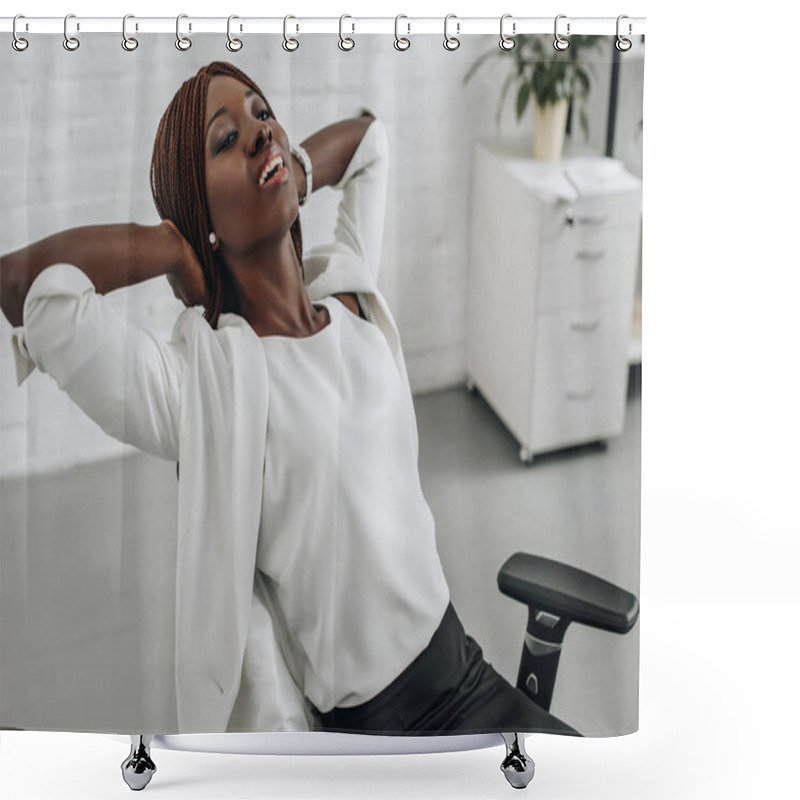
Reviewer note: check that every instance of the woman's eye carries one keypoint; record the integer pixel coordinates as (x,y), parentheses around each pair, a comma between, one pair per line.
(227,141)
(265,113)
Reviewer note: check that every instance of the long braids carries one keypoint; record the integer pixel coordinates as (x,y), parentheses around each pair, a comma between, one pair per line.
(177,182)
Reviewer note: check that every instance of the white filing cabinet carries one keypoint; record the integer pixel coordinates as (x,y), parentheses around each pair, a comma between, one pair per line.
(554,257)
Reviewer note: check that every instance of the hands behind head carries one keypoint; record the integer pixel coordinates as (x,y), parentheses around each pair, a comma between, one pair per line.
(186,278)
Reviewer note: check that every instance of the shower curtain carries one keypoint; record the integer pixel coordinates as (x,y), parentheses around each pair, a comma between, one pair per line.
(507,287)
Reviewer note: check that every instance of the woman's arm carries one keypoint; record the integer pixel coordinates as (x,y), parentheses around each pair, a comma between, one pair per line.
(111,256)
(358,231)
(330,151)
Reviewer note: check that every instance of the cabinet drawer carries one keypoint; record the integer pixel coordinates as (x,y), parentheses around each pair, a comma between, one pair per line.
(589,215)
(566,412)
(581,267)
(583,345)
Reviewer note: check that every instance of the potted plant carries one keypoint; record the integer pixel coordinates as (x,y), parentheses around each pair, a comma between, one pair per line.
(554,79)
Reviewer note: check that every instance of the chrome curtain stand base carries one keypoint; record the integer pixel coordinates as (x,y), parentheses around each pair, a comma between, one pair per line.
(517,766)
(138,768)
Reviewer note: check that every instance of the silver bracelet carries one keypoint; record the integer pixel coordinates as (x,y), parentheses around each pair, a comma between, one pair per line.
(302,156)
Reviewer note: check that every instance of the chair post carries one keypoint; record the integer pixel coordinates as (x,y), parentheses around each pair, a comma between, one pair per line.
(541,651)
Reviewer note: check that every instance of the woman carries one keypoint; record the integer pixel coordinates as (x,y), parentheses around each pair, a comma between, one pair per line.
(310,592)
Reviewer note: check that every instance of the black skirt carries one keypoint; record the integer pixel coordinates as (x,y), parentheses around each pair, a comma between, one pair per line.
(447,689)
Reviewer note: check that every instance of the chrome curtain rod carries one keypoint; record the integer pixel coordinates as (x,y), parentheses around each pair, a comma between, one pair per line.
(408,26)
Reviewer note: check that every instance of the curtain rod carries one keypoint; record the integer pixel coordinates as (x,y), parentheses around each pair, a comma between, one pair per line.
(407,26)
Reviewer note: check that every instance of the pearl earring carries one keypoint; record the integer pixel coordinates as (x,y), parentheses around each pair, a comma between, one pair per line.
(212,237)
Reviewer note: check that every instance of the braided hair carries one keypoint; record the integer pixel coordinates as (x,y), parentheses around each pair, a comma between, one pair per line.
(177,181)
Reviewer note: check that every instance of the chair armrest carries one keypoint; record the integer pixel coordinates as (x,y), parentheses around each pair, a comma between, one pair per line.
(568,593)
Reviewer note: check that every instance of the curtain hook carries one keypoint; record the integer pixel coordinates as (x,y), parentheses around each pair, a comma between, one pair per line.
(129,43)
(290,45)
(507,42)
(400,42)
(560,42)
(451,42)
(182,42)
(70,42)
(622,44)
(345,42)
(233,44)
(18,43)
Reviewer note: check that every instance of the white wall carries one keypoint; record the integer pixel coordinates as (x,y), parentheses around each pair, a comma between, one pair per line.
(76,134)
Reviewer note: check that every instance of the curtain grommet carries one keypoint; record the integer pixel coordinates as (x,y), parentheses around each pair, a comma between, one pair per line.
(129,43)
(451,42)
(401,43)
(623,44)
(183,43)
(560,42)
(507,42)
(346,43)
(289,44)
(70,43)
(18,42)
(233,44)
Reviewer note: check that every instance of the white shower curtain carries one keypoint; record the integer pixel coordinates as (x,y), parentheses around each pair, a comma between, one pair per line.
(89,525)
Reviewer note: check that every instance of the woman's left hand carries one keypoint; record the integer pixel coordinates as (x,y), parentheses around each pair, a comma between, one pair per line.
(186,278)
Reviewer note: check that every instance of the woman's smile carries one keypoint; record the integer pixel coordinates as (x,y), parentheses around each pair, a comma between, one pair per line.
(272,169)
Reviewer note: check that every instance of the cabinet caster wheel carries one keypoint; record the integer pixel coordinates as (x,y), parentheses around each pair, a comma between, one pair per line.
(517,766)
(526,456)
(138,768)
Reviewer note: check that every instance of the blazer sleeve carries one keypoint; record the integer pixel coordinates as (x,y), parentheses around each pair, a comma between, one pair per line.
(362,208)
(352,261)
(120,375)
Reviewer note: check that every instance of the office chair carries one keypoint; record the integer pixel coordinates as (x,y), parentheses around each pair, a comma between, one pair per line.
(556,595)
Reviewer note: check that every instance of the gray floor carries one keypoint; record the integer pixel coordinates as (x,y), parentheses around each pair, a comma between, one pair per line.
(87,570)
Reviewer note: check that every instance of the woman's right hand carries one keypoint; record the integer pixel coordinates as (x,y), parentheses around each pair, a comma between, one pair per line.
(187,279)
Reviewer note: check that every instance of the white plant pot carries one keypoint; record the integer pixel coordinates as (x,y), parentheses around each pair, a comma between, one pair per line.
(549,126)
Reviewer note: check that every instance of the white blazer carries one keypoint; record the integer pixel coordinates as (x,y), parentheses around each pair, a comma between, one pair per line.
(203,399)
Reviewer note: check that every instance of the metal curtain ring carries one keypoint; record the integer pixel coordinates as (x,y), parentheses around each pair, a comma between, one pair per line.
(560,43)
(70,42)
(129,43)
(451,42)
(507,42)
(18,43)
(400,42)
(290,45)
(345,42)
(233,44)
(622,44)
(182,42)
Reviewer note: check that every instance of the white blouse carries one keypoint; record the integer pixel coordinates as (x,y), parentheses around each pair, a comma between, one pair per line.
(346,533)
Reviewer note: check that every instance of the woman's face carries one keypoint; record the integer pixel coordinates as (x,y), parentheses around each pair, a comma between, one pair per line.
(250,186)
